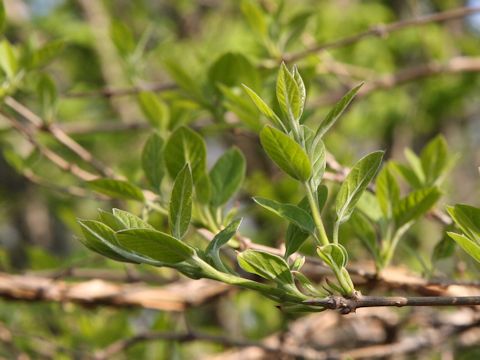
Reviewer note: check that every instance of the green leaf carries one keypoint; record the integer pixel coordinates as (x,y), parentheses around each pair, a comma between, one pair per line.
(301,86)
(221,71)
(355,184)
(3,17)
(245,110)
(111,220)
(47,53)
(434,159)
(264,108)
(155,245)
(153,164)
(468,219)
(227,176)
(334,255)
(365,231)
(286,153)
(118,189)
(255,17)
(290,212)
(155,110)
(415,165)
(186,146)
(295,236)
(470,247)
(415,204)
(307,285)
(122,38)
(8,59)
(387,191)
(213,249)
(443,249)
(266,265)
(203,189)
(337,111)
(185,80)
(181,203)
(101,239)
(129,221)
(47,94)
(289,95)
(408,174)
(317,153)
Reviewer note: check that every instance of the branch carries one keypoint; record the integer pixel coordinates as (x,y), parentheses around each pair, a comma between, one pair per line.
(453,66)
(175,297)
(382,30)
(346,306)
(60,136)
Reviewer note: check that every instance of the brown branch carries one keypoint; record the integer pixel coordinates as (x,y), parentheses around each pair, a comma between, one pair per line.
(60,136)
(346,305)
(382,30)
(174,297)
(453,66)
(56,159)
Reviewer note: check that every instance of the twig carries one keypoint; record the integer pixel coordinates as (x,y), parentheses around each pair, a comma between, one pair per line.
(49,154)
(346,305)
(384,30)
(60,136)
(453,66)
(124,344)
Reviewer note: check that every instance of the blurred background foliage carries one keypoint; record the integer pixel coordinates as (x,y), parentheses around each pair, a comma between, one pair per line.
(198,53)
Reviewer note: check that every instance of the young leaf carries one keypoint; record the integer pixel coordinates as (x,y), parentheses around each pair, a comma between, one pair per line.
(290,212)
(255,17)
(221,71)
(415,165)
(122,37)
(155,245)
(266,265)
(355,184)
(227,176)
(101,239)
(295,236)
(181,203)
(408,174)
(264,108)
(118,189)
(246,111)
(443,249)
(468,219)
(289,95)
(317,153)
(152,161)
(129,221)
(415,205)
(387,191)
(46,53)
(213,249)
(8,59)
(333,255)
(434,159)
(307,285)
(336,112)
(366,233)
(185,146)
(470,247)
(286,153)
(155,110)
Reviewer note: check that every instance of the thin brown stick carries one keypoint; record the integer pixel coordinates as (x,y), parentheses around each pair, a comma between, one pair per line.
(346,305)
(60,136)
(382,30)
(56,159)
(453,66)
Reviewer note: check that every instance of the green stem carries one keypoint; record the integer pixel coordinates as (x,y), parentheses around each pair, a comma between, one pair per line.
(336,228)
(316,215)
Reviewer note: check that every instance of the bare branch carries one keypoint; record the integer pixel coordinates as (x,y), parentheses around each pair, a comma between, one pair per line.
(384,30)
(112,92)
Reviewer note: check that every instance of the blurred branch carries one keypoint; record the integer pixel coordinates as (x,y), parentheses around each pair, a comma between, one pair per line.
(49,154)
(175,297)
(382,30)
(453,66)
(60,136)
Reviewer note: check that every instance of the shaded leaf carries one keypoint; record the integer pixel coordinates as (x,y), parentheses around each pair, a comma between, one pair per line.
(227,176)
(181,203)
(153,164)
(118,189)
